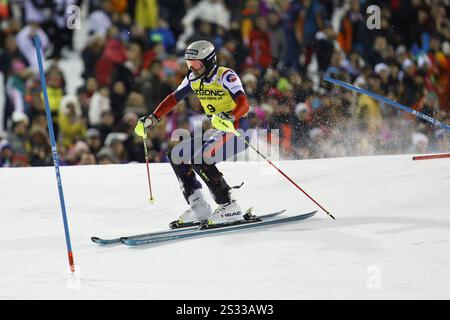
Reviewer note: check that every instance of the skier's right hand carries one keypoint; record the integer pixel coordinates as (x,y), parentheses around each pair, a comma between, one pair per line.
(145,123)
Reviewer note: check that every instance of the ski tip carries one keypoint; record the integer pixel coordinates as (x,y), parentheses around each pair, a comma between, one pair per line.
(95,239)
(127,241)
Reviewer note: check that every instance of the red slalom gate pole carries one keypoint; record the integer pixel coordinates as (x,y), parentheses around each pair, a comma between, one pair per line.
(227,126)
(432,156)
(289,179)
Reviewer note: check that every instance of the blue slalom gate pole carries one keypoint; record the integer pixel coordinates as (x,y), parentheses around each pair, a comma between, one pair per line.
(37,44)
(388,101)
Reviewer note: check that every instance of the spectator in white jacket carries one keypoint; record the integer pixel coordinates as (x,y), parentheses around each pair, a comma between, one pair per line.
(99,103)
(38,11)
(99,20)
(25,43)
(212,11)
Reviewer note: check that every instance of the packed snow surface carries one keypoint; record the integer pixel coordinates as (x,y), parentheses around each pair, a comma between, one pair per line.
(390,239)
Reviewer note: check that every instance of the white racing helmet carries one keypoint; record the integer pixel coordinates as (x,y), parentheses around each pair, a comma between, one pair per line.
(200,51)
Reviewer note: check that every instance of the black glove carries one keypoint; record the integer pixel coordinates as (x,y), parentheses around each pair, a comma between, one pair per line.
(149,121)
(226,116)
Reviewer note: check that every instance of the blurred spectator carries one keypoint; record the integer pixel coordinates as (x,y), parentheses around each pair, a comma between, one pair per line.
(227,53)
(106,124)
(152,86)
(118,99)
(55,87)
(60,35)
(18,137)
(290,19)
(10,54)
(25,43)
(412,91)
(87,158)
(378,53)
(250,83)
(15,87)
(146,13)
(106,156)
(127,71)
(419,144)
(38,11)
(163,34)
(311,21)
(114,53)
(259,44)
(100,20)
(203,30)
(127,123)
(72,125)
(212,11)
(91,54)
(324,44)
(41,151)
(100,103)
(383,71)
(352,31)
(75,152)
(6,153)
(278,42)
(83,100)
(368,115)
(94,140)
(116,142)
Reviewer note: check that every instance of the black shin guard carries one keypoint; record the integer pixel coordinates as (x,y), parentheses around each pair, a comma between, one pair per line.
(186,177)
(215,182)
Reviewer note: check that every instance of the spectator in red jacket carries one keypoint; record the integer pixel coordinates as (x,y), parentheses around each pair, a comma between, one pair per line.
(260,50)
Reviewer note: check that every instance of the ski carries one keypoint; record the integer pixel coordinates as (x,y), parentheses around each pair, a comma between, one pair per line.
(262,221)
(179,229)
(102,241)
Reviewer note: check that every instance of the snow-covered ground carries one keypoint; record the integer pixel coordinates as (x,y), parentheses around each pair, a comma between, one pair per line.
(391,238)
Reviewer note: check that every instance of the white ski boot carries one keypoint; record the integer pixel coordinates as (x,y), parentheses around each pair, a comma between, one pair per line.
(199,209)
(226,213)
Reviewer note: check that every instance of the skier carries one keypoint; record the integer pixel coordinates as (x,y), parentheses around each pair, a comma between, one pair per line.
(221,93)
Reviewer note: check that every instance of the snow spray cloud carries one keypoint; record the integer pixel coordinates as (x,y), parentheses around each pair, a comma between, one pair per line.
(212,146)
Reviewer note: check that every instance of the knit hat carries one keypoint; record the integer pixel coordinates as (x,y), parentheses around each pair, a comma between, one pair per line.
(19,116)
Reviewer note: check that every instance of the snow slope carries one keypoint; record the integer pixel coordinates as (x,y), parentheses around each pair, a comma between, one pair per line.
(391,238)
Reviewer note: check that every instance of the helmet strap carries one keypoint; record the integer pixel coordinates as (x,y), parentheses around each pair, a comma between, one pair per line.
(210,74)
(207,75)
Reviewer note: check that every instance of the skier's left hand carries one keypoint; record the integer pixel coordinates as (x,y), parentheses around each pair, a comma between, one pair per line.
(223,122)
(226,116)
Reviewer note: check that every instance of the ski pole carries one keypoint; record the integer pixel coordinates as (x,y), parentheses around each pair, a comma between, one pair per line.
(224,126)
(284,175)
(152,200)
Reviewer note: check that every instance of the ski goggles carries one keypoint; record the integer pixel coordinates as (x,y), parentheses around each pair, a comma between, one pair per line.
(194,64)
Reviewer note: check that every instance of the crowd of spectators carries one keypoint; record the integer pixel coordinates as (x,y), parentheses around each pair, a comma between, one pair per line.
(281,49)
